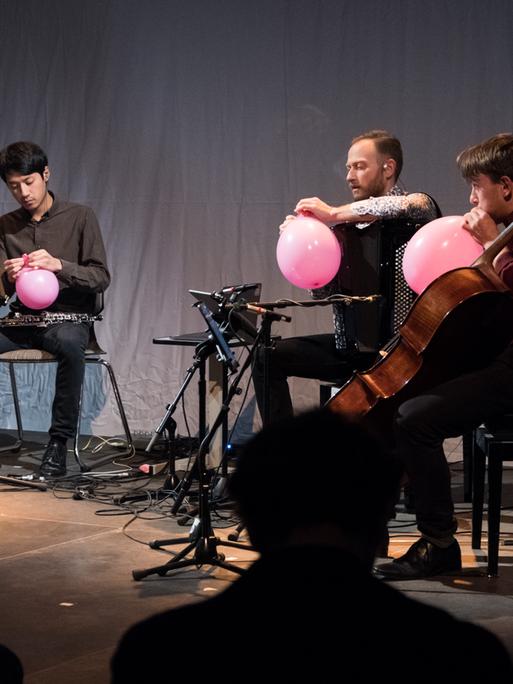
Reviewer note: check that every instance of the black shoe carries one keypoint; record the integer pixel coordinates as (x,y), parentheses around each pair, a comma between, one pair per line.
(423,559)
(54,460)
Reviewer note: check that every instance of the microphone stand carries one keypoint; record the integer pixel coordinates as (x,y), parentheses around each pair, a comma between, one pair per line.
(201,353)
(265,341)
(202,542)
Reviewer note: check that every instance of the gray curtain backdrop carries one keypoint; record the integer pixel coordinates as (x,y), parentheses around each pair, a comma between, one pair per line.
(192,127)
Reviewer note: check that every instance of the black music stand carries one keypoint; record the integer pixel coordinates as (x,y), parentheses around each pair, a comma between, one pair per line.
(244,322)
(204,543)
(203,349)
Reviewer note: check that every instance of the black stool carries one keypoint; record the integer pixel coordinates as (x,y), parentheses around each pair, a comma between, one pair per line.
(492,442)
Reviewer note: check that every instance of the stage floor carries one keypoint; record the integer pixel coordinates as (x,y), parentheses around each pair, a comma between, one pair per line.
(67,592)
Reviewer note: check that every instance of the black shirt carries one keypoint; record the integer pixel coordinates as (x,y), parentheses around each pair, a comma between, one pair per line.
(69,232)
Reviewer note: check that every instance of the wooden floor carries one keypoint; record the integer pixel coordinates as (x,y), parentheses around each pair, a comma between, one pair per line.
(67,591)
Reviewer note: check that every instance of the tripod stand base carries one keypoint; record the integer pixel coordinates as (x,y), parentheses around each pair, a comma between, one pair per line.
(204,553)
(202,543)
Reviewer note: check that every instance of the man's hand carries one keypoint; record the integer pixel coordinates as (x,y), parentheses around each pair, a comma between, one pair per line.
(286,222)
(481,226)
(13,267)
(321,210)
(41,259)
(38,259)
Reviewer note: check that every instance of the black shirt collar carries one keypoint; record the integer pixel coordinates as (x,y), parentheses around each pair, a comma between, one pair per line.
(51,211)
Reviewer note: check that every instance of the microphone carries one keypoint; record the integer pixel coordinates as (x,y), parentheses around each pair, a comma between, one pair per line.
(260,310)
(239,323)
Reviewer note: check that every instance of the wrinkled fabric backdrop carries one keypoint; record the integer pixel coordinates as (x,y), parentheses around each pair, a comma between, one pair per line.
(193,127)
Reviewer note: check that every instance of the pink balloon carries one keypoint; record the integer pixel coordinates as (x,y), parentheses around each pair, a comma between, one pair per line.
(308,253)
(37,288)
(438,247)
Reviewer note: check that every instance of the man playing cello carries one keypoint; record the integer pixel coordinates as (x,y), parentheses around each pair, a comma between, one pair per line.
(461,404)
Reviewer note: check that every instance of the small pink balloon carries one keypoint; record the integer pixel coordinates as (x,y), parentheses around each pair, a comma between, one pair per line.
(438,247)
(308,253)
(37,288)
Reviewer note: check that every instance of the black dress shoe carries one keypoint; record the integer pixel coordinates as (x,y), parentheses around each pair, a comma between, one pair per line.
(423,559)
(54,460)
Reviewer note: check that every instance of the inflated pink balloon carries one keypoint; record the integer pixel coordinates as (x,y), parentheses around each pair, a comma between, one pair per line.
(308,253)
(37,288)
(438,247)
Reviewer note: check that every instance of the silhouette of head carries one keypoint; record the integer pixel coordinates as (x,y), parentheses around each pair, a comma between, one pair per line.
(11,670)
(315,472)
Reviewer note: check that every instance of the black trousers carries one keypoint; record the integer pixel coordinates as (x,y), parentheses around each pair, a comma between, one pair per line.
(449,410)
(421,424)
(313,356)
(68,342)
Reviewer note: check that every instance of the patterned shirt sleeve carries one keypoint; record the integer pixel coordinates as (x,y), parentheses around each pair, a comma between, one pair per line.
(417,207)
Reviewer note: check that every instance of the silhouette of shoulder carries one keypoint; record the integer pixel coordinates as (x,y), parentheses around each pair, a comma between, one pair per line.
(309,611)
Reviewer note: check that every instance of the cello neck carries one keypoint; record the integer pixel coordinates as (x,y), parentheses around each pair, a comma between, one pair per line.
(497,245)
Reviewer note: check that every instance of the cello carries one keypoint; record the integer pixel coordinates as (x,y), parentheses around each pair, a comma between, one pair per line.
(460,323)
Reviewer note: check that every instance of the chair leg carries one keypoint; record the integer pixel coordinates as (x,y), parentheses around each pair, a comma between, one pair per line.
(478,483)
(468,454)
(122,414)
(19,426)
(128,436)
(76,450)
(494,512)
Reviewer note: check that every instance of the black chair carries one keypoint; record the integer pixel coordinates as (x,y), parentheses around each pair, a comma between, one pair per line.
(492,444)
(93,355)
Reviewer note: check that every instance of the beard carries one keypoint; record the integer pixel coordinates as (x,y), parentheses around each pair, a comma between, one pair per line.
(375,187)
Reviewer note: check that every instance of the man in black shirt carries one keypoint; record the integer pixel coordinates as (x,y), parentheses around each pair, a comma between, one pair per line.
(63,238)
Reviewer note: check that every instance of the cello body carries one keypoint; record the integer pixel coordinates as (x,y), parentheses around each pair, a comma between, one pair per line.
(461,322)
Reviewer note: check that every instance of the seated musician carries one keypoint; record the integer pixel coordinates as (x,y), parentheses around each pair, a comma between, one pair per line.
(457,406)
(63,238)
(374,163)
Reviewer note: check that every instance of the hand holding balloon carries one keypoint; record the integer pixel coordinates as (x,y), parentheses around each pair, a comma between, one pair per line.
(481,226)
(40,258)
(316,207)
(13,267)
(438,247)
(37,288)
(308,253)
(285,223)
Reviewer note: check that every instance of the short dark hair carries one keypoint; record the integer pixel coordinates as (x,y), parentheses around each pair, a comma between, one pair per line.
(492,157)
(313,469)
(386,144)
(22,157)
